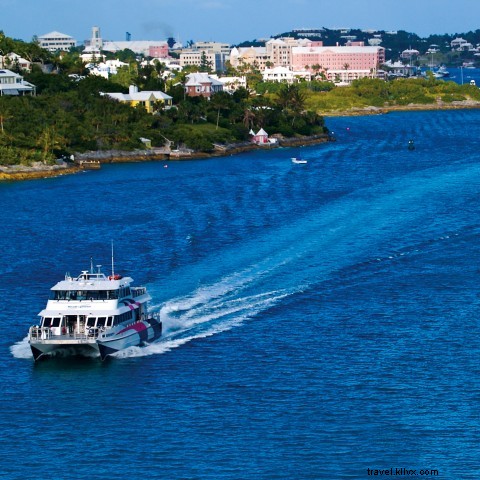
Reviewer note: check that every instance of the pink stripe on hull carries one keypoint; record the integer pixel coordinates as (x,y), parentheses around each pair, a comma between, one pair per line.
(138,327)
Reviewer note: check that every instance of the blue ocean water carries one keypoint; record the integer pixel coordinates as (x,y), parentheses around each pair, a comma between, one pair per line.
(464,75)
(320,319)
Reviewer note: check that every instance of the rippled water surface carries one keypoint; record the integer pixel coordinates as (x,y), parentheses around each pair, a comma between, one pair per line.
(320,319)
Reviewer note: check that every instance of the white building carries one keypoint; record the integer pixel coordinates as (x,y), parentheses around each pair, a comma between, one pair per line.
(142,47)
(107,68)
(13,84)
(215,60)
(92,54)
(96,40)
(12,60)
(231,84)
(56,41)
(284,74)
(409,53)
(213,47)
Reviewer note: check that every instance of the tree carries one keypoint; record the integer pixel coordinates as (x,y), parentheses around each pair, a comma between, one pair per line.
(205,64)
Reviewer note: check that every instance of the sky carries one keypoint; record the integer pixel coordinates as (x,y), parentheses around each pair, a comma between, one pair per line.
(230,21)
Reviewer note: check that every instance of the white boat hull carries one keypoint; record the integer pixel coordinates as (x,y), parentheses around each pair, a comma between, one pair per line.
(63,347)
(135,335)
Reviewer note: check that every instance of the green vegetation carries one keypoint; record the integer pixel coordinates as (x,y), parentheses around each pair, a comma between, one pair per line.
(378,93)
(70,114)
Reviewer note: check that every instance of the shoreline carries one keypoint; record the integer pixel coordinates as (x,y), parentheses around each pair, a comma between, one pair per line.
(94,159)
(411,107)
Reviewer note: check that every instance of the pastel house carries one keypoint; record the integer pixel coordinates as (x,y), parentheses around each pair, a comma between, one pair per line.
(202,85)
(147,99)
(261,137)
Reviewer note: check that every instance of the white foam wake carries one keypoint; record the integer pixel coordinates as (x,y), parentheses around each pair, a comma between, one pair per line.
(21,349)
(204,320)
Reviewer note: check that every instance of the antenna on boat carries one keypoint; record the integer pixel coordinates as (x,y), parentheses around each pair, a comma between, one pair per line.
(91,264)
(113,270)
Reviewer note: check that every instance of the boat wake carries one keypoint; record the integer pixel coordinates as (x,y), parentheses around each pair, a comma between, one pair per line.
(198,316)
(382,223)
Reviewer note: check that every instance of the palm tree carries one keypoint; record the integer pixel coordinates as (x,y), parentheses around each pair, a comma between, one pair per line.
(248,117)
(292,100)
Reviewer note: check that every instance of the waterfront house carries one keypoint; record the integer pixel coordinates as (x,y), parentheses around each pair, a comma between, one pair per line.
(12,83)
(261,137)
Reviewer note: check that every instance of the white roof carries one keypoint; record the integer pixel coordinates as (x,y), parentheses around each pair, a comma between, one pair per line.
(158,94)
(199,78)
(278,70)
(55,34)
(139,96)
(134,45)
(276,41)
(256,50)
(262,133)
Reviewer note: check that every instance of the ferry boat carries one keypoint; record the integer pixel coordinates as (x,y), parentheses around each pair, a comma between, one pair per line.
(94,314)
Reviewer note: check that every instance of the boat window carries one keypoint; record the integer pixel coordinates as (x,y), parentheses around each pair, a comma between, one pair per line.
(123,317)
(109,322)
(47,322)
(91,321)
(56,322)
(113,294)
(101,321)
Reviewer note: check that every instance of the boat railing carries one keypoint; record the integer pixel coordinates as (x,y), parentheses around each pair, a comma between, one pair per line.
(40,333)
(45,333)
(137,291)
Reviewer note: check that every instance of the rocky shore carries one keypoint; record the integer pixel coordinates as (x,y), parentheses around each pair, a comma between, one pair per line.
(36,171)
(411,107)
(94,159)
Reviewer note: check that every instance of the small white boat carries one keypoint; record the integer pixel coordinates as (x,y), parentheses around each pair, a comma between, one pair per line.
(94,314)
(298,160)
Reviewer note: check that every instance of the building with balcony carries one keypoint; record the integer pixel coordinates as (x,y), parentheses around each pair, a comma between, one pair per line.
(346,63)
(12,83)
(56,41)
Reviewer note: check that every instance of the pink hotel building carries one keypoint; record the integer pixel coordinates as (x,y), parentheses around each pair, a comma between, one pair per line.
(339,64)
(336,59)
